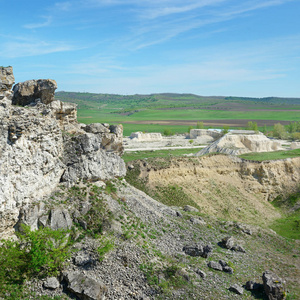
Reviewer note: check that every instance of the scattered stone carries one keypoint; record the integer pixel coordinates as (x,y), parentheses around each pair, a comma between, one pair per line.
(201,273)
(236,289)
(238,248)
(228,269)
(197,221)
(82,259)
(215,265)
(198,250)
(190,208)
(179,214)
(85,287)
(51,283)
(230,243)
(130,167)
(273,286)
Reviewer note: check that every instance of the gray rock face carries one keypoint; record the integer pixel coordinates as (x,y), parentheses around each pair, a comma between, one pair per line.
(31,90)
(51,283)
(230,243)
(35,153)
(60,219)
(215,265)
(85,159)
(273,285)
(198,250)
(85,287)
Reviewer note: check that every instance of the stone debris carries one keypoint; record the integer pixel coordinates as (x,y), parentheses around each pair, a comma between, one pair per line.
(190,208)
(230,243)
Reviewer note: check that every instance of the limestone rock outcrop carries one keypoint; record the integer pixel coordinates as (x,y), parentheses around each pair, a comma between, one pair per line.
(236,144)
(31,90)
(42,144)
(209,134)
(146,137)
(7,80)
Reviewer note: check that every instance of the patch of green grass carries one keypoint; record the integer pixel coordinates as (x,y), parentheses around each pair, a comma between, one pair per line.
(288,226)
(106,246)
(260,156)
(130,156)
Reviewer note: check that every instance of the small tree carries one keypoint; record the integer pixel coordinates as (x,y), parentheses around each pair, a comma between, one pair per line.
(168,132)
(279,131)
(252,126)
(200,125)
(225,129)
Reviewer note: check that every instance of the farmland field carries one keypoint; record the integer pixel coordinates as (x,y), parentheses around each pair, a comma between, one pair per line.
(177,112)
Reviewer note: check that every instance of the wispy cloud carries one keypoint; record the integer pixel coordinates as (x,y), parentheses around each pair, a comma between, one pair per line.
(47,22)
(16,49)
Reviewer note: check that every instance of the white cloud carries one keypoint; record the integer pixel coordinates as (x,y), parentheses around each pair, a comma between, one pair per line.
(47,22)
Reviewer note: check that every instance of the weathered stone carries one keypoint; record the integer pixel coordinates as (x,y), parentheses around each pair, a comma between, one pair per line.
(236,289)
(215,265)
(85,287)
(60,219)
(31,90)
(238,248)
(96,128)
(7,78)
(197,221)
(228,269)
(146,137)
(198,250)
(228,242)
(190,208)
(273,285)
(179,214)
(51,283)
(251,285)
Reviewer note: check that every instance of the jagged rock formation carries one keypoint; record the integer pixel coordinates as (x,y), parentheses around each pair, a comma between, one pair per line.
(295,145)
(236,144)
(31,90)
(42,144)
(146,137)
(7,80)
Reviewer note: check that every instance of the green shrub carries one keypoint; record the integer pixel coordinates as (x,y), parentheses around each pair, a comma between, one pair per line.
(37,253)
(106,246)
(168,132)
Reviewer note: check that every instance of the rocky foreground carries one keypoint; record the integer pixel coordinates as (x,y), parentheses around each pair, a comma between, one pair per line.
(118,242)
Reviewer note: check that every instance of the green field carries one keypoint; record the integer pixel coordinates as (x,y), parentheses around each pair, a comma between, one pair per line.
(157,112)
(260,156)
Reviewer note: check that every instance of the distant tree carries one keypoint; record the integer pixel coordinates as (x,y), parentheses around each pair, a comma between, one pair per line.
(265,130)
(252,126)
(200,125)
(293,127)
(189,128)
(225,130)
(168,132)
(279,131)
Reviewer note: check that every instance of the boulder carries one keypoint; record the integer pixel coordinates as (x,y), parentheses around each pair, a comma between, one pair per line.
(31,90)
(230,243)
(60,219)
(85,287)
(215,265)
(51,283)
(236,289)
(274,286)
(96,128)
(198,250)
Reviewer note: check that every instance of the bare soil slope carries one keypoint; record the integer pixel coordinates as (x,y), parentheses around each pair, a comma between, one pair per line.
(225,186)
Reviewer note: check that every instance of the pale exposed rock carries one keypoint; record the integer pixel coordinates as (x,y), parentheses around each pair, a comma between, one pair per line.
(96,128)
(205,133)
(198,250)
(236,144)
(66,115)
(85,287)
(29,91)
(146,137)
(295,145)
(7,80)
(215,265)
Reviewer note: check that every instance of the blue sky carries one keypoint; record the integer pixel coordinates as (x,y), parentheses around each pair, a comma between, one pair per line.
(205,47)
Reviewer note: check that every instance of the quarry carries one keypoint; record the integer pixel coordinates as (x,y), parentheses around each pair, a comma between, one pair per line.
(194,227)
